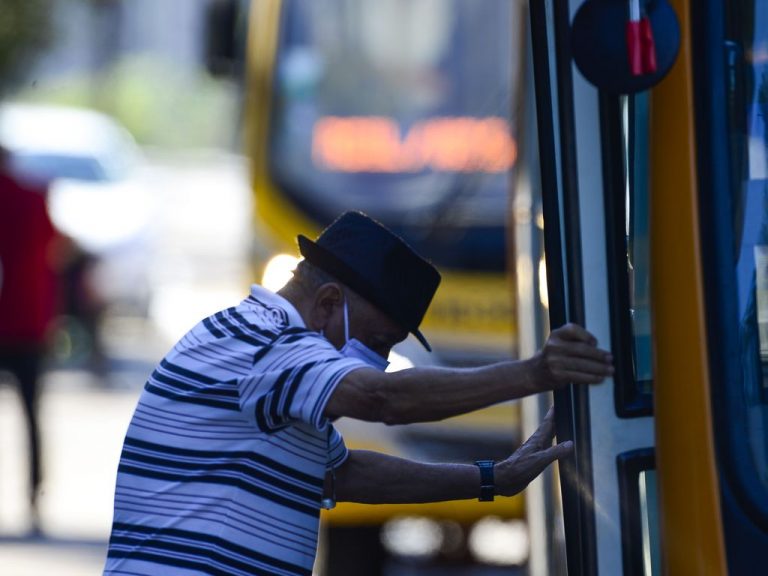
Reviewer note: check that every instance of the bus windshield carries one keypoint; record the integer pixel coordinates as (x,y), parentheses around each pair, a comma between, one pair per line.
(404,110)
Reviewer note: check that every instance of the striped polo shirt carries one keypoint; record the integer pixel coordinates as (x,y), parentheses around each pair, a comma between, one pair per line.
(223,463)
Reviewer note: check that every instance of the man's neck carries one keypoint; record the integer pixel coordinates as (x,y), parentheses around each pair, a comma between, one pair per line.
(296,295)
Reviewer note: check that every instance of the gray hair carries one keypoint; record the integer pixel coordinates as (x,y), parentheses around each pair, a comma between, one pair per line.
(310,277)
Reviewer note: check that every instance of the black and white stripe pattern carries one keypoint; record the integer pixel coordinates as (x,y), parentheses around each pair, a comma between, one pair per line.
(223,463)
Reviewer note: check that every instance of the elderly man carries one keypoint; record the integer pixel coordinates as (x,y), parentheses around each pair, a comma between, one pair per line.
(232,452)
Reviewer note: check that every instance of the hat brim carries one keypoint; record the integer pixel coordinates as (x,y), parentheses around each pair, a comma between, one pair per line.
(330,263)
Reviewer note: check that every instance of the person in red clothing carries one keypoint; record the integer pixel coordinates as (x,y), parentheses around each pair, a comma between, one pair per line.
(27,298)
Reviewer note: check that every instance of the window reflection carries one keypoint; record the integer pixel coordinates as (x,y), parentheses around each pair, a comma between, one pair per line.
(748,116)
(635,124)
(761,290)
(649,517)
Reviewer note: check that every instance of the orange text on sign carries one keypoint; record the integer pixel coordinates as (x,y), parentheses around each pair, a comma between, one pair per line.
(376,144)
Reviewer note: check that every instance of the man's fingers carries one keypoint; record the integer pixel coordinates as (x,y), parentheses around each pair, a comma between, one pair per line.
(591,367)
(528,462)
(579,350)
(583,372)
(546,456)
(573,341)
(574,332)
(544,434)
(550,414)
(558,451)
(571,355)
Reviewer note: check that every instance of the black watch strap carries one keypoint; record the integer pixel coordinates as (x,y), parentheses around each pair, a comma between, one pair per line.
(487,485)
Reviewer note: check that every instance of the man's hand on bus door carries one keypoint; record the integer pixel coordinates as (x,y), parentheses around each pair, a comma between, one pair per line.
(570,355)
(530,460)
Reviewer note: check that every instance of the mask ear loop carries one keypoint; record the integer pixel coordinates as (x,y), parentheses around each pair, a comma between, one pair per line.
(346,322)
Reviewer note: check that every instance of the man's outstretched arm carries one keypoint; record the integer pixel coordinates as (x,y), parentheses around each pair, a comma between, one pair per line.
(428,394)
(374,478)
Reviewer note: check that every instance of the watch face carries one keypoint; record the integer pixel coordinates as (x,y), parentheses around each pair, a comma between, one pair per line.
(487,485)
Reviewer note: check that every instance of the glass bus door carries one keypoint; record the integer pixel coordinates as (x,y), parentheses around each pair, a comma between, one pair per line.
(592,150)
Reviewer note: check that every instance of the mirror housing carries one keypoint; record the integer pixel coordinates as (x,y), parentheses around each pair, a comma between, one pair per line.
(599,44)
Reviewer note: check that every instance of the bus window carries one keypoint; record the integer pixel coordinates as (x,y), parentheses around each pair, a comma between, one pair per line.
(639,512)
(748,118)
(635,124)
(626,119)
(649,515)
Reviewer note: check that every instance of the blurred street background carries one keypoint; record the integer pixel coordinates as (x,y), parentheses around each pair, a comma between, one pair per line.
(199,266)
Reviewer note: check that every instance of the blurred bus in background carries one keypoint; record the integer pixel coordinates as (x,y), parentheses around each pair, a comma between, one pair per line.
(407,111)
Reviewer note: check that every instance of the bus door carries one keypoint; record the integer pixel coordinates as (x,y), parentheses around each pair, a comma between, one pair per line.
(593,155)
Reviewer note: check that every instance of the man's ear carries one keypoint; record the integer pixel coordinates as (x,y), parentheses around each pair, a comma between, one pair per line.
(326,299)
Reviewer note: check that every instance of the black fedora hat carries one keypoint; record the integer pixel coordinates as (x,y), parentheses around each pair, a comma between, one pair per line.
(378,265)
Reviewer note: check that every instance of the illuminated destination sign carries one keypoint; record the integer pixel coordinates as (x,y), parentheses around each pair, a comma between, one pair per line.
(445,144)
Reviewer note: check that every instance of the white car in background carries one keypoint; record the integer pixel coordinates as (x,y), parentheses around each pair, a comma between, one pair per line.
(98,191)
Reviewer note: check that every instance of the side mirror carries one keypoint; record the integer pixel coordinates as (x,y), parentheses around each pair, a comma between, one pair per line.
(611,48)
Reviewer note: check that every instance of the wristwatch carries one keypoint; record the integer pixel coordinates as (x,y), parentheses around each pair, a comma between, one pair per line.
(487,486)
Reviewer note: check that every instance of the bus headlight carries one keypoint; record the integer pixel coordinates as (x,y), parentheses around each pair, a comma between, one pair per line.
(412,537)
(502,542)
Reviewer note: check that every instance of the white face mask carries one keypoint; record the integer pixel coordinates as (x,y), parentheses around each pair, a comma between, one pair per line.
(353,348)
